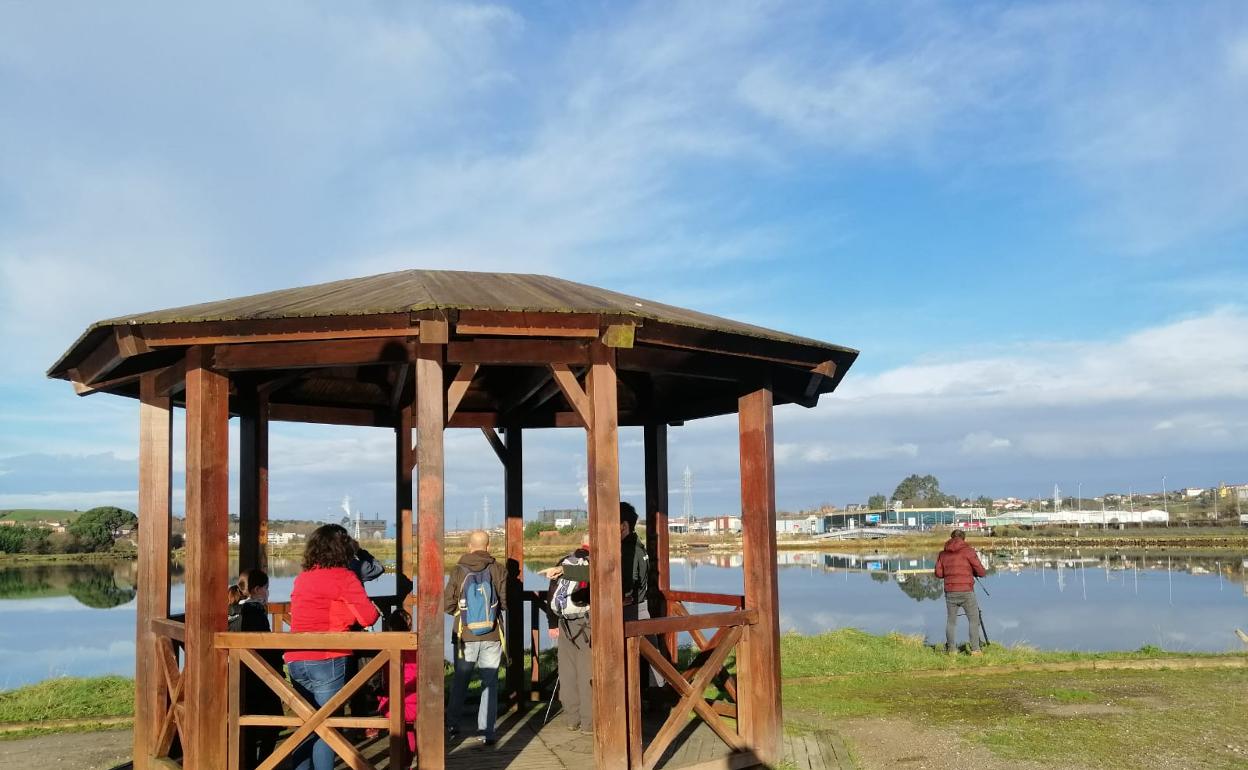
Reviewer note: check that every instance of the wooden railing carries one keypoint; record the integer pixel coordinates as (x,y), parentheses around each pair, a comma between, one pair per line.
(170,639)
(706,668)
(308,719)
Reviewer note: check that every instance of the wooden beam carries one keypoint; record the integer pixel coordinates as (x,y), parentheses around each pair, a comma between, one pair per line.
(155,509)
(83,389)
(172,379)
(207,559)
(311,355)
(527,324)
(572,391)
(276,330)
(513,509)
(619,336)
(459,386)
(730,343)
(487,420)
(253,482)
(528,388)
(532,351)
(330,415)
(658,538)
(607,620)
(405,459)
(430,522)
(496,444)
(825,370)
(758,664)
(686,623)
(120,343)
(398,385)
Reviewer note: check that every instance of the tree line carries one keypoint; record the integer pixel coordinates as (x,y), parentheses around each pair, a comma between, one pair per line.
(92,531)
(917,491)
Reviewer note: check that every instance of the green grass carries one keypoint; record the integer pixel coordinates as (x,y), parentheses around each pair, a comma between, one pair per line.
(1098,718)
(38,514)
(69,698)
(850,651)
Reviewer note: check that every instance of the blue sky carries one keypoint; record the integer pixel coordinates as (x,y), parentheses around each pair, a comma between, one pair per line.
(1032,218)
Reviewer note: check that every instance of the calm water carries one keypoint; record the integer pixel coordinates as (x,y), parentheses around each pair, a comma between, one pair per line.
(79,620)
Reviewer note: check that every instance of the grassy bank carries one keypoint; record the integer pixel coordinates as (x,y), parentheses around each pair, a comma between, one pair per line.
(103,557)
(873,687)
(68,703)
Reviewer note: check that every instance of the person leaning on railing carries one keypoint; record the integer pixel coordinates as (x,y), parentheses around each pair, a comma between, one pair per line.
(248,611)
(327,597)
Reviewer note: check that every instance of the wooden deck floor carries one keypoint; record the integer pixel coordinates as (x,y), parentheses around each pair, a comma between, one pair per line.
(525,744)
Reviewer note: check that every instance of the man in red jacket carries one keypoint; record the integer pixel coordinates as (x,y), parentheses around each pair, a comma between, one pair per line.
(959,565)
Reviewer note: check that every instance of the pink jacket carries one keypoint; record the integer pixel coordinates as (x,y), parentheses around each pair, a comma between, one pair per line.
(410,699)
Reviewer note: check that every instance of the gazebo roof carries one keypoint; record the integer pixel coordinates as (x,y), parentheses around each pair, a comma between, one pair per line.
(679,347)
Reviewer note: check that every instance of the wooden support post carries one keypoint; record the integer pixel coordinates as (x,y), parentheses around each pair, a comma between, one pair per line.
(430,521)
(606,596)
(658,538)
(155,448)
(513,506)
(207,516)
(759,663)
(405,556)
(253,482)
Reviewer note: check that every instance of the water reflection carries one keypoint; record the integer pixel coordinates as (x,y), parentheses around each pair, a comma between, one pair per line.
(79,619)
(98,586)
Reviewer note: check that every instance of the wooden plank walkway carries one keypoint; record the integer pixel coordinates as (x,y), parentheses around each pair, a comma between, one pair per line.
(525,744)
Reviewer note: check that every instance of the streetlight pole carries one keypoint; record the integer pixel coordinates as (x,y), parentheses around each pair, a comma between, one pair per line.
(1165,503)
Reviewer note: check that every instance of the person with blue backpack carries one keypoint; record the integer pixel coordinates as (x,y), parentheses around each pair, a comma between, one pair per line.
(476,598)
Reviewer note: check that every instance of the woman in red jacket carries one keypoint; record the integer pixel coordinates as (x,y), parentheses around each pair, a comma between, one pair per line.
(327,597)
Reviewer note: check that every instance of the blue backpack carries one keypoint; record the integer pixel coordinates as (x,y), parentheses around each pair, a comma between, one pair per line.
(478,606)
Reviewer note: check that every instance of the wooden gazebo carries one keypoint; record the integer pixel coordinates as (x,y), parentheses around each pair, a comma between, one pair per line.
(418,352)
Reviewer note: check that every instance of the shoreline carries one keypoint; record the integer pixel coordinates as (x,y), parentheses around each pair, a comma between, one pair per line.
(1221,540)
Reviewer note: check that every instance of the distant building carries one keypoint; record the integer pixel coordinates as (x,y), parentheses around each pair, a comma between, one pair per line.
(370,529)
(1192,491)
(550,515)
(561,523)
(724,525)
(283,538)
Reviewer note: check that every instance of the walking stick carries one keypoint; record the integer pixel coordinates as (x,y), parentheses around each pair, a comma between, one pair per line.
(551,705)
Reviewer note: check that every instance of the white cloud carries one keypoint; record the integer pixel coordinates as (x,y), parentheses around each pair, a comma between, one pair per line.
(983,442)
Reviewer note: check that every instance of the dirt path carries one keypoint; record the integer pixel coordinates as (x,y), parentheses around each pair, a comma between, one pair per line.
(81,751)
(898,743)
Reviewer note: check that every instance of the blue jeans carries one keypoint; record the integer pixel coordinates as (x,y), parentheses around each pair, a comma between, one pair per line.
(485,657)
(317,681)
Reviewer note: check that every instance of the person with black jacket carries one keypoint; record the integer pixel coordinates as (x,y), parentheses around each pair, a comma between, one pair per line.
(248,611)
(569,618)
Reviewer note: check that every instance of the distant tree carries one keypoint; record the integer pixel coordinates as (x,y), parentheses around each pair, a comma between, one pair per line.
(177,540)
(983,501)
(96,528)
(99,590)
(921,491)
(876,502)
(920,587)
(20,538)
